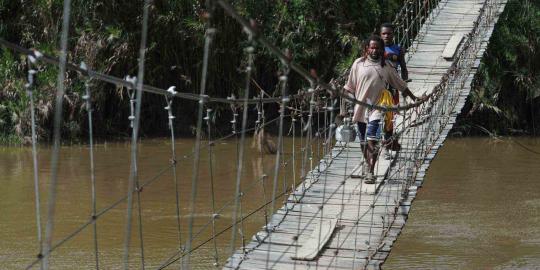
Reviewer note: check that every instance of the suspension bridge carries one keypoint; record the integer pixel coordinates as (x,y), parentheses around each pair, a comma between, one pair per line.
(327,219)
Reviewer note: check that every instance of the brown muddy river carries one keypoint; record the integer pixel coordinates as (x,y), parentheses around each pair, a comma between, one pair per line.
(479,207)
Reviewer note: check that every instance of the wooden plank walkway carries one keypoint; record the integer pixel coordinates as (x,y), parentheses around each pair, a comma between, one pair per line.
(369,217)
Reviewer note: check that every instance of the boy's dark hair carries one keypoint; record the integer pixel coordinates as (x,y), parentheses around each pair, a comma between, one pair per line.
(388,25)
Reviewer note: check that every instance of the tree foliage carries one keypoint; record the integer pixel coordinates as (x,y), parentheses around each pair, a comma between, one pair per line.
(105,35)
(505,99)
(323,35)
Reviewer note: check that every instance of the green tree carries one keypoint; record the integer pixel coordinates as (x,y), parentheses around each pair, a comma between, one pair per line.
(505,99)
(323,35)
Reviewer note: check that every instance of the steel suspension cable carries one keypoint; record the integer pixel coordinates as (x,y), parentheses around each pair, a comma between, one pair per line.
(295,237)
(302,148)
(259,127)
(317,133)
(293,148)
(218,212)
(209,35)
(312,104)
(88,100)
(173,260)
(37,200)
(59,97)
(359,216)
(240,161)
(223,207)
(320,86)
(133,183)
(122,199)
(285,99)
(293,127)
(442,107)
(342,205)
(174,162)
(214,215)
(283,164)
(113,205)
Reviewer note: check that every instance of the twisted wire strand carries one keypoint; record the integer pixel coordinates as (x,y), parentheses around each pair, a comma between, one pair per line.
(240,161)
(145,183)
(430,119)
(212,191)
(37,200)
(92,220)
(88,99)
(173,260)
(283,80)
(209,35)
(133,182)
(225,205)
(306,75)
(171,117)
(51,203)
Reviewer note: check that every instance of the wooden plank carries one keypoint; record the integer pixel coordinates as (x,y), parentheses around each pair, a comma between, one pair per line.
(368,221)
(452,46)
(316,241)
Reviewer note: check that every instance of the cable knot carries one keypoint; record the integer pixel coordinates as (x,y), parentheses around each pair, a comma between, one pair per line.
(36,55)
(171,90)
(131,80)
(31,73)
(204,99)
(207,117)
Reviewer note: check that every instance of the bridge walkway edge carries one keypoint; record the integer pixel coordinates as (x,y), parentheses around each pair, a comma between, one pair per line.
(368,222)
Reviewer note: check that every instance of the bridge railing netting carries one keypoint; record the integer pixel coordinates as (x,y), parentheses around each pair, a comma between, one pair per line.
(311,112)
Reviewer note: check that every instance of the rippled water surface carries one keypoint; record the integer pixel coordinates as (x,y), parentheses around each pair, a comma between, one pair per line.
(18,237)
(479,208)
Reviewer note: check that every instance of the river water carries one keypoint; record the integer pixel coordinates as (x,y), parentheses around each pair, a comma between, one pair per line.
(479,207)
